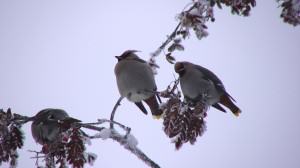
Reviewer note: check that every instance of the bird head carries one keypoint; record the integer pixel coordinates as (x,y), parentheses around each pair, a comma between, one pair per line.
(179,68)
(48,123)
(128,54)
(53,115)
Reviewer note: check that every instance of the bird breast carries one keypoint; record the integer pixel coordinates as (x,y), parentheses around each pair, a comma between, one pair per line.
(45,132)
(135,80)
(194,86)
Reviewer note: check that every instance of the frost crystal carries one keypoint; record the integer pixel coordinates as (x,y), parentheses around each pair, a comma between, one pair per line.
(131,141)
(90,157)
(103,134)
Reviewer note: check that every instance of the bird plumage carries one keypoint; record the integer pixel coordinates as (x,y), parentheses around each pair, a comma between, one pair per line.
(199,83)
(45,127)
(135,80)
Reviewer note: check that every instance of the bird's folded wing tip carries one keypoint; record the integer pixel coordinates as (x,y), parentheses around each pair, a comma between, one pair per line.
(237,114)
(157,117)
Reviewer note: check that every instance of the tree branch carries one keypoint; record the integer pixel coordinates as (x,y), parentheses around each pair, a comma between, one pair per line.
(112,115)
(171,36)
(133,149)
(124,141)
(127,141)
(169,39)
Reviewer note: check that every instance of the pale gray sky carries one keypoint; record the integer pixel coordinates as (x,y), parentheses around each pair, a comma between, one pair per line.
(60,54)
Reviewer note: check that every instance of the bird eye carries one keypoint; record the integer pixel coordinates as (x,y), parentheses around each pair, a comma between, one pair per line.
(51,117)
(179,67)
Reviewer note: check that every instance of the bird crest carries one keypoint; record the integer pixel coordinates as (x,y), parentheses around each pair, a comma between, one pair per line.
(126,54)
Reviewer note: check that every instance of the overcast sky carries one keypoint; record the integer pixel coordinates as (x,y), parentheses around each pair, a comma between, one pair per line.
(60,54)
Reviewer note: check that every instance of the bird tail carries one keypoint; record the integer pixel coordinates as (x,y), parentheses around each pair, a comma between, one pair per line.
(226,100)
(141,107)
(154,106)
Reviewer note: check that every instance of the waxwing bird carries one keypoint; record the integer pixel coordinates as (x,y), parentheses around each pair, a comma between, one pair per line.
(45,127)
(197,81)
(135,80)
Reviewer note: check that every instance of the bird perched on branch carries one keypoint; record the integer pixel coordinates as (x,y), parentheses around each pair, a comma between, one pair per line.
(135,80)
(198,83)
(47,125)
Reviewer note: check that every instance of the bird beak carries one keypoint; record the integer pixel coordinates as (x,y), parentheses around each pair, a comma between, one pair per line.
(67,122)
(31,118)
(71,120)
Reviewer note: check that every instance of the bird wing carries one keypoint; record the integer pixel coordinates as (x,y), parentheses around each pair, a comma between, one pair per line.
(208,75)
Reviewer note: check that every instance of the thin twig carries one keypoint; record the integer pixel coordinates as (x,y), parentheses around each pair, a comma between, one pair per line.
(101,121)
(170,38)
(173,34)
(169,92)
(19,119)
(127,129)
(112,115)
(37,157)
(92,127)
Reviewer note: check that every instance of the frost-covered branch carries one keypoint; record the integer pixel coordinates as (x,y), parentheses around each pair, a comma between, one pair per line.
(194,19)
(130,143)
(101,121)
(69,147)
(169,39)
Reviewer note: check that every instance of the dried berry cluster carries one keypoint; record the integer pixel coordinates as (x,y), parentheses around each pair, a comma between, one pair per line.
(75,149)
(60,154)
(182,122)
(69,148)
(11,138)
(290,11)
(240,7)
(195,19)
